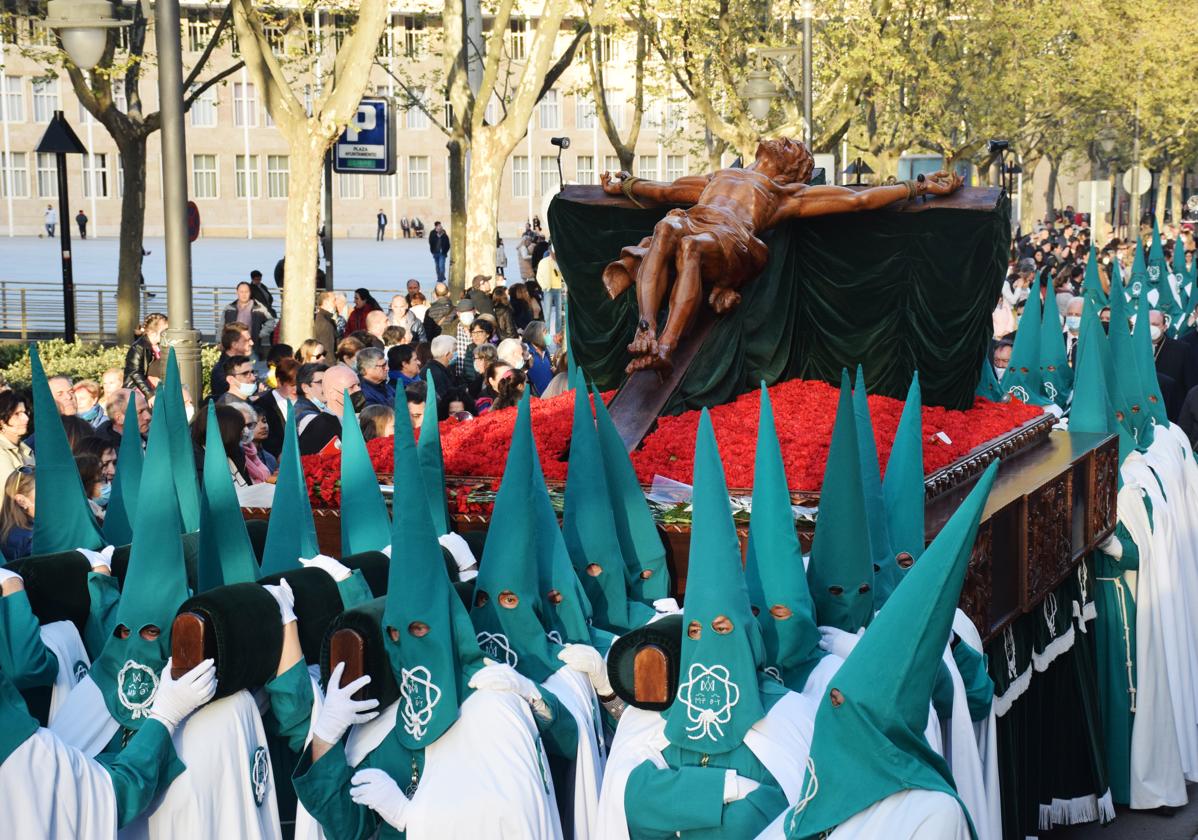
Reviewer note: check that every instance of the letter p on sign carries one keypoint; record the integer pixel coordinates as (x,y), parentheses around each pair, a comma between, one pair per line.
(363,120)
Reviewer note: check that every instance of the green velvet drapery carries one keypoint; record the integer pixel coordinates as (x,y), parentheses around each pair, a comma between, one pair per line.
(893,291)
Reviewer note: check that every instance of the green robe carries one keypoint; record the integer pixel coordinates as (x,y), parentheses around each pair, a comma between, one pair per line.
(145,767)
(687,798)
(23,656)
(323,785)
(1115,633)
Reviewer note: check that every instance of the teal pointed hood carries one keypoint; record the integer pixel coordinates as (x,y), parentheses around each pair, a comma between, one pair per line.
(183,459)
(1022,379)
(841,570)
(774,573)
(989,387)
(589,528)
(1141,342)
(1092,409)
(127,670)
(119,515)
(1160,290)
(1091,282)
(365,525)
(509,612)
(640,545)
(1138,282)
(64,520)
(903,493)
(1185,286)
(869,741)
(568,611)
(226,553)
(1126,392)
(718,698)
(871,479)
(1055,374)
(433,652)
(432,466)
(291,531)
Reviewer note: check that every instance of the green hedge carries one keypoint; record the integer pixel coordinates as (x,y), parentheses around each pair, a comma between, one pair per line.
(78,360)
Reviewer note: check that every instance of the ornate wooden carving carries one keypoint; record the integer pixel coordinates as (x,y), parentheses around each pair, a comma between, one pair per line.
(1103,490)
(973,463)
(1049,554)
(978,590)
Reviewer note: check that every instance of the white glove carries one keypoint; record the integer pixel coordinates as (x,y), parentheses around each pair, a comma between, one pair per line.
(496,677)
(586,660)
(378,791)
(7,575)
(459,549)
(340,712)
(285,598)
(335,570)
(737,787)
(666,605)
(837,641)
(1111,546)
(98,558)
(176,699)
(386,550)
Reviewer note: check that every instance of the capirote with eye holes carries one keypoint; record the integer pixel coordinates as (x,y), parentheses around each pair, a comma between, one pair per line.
(694,630)
(722,624)
(509,599)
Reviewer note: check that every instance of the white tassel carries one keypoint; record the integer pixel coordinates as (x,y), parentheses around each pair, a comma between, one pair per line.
(1106,808)
(1045,817)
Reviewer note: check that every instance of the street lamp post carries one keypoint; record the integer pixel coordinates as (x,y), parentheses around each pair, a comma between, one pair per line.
(82,25)
(808,10)
(60,140)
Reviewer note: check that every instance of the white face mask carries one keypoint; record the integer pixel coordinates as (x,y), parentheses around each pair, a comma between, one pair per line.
(190,411)
(1155,332)
(466,318)
(999,370)
(247,389)
(419,310)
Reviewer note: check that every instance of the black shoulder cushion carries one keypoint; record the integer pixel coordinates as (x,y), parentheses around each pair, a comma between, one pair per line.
(244,620)
(476,540)
(191,558)
(367,620)
(374,567)
(317,603)
(256,528)
(56,585)
(666,634)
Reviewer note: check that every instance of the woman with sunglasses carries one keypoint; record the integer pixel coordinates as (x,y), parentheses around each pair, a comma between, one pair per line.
(14,426)
(311,351)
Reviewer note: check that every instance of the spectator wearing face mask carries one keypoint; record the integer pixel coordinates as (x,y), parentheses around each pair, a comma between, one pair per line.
(1000,358)
(1073,325)
(461,336)
(317,430)
(444,379)
(241,383)
(1173,361)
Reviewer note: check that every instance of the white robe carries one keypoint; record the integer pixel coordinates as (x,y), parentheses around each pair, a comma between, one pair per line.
(228,789)
(482,778)
(1156,778)
(781,741)
(54,792)
(574,691)
(907,815)
(62,638)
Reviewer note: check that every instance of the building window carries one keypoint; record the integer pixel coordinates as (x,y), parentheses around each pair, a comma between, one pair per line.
(519,176)
(615,107)
(675,120)
(278,176)
(47,176)
(419,182)
(551,112)
(119,99)
(40,35)
(413,37)
(85,116)
(389,186)
(203,110)
(549,179)
(199,31)
(203,170)
(675,167)
(609,46)
(516,39)
(95,173)
(245,105)
(14,176)
(416,118)
(585,171)
(45,99)
(611,163)
(646,167)
(120,177)
(14,99)
(584,111)
(349,185)
(246,177)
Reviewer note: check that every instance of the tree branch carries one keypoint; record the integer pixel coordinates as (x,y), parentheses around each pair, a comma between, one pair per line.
(190,98)
(226,18)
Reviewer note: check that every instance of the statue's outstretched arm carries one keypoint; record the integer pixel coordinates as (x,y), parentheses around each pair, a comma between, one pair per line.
(802,201)
(686,190)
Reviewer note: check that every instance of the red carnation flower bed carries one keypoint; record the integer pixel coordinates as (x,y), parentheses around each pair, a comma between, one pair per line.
(804,412)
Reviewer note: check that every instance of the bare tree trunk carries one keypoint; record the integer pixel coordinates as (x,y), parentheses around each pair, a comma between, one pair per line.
(303,225)
(483,208)
(1054,170)
(132,151)
(457,216)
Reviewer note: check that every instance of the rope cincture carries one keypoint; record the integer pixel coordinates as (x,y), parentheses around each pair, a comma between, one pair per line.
(810,790)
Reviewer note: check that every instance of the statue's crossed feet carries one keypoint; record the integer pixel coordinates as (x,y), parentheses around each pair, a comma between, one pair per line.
(648,353)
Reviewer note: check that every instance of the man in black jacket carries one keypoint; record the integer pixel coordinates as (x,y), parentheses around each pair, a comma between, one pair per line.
(273,404)
(1173,359)
(324,325)
(260,293)
(235,340)
(438,244)
(444,380)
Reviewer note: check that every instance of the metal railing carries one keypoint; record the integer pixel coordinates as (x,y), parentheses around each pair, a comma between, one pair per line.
(34,310)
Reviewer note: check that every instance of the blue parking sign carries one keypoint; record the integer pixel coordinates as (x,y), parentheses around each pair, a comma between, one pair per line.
(368,143)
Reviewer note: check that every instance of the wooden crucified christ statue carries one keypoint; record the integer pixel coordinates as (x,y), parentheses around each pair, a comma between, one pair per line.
(712,248)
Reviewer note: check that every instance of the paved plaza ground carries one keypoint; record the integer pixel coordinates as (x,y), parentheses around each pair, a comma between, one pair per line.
(225,262)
